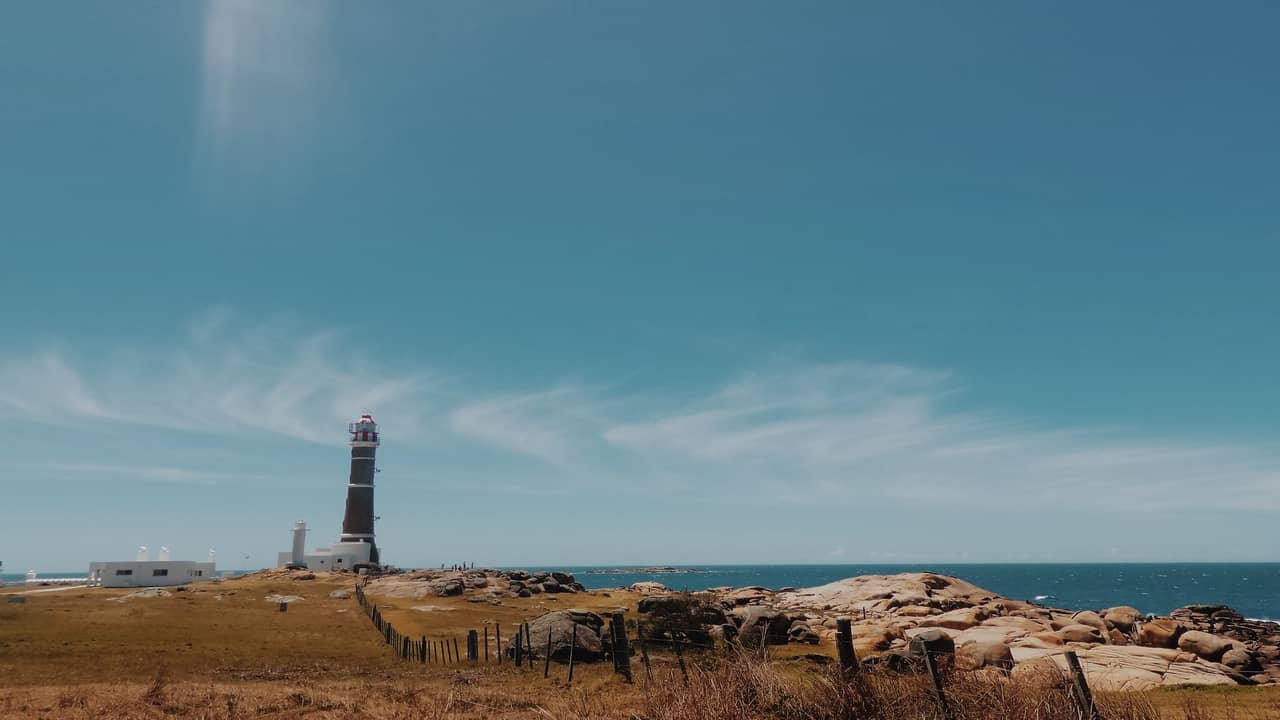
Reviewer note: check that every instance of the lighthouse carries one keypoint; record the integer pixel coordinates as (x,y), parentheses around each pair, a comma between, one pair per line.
(355,549)
(357,523)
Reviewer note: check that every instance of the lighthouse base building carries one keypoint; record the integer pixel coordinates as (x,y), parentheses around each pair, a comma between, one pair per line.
(355,549)
(338,556)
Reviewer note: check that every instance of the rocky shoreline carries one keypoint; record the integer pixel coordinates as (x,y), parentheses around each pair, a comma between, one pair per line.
(893,616)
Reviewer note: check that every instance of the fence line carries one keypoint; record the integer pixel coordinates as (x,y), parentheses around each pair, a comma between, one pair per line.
(446,651)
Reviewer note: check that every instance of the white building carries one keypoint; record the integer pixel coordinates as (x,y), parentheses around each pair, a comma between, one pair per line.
(339,556)
(143,572)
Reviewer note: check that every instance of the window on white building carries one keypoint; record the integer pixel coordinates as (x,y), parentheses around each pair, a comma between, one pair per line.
(124,572)
(160,572)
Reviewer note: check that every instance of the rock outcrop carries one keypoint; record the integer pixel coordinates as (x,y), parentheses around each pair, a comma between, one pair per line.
(589,642)
(894,615)
(487,584)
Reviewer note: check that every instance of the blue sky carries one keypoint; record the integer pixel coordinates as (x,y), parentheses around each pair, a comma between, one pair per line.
(642,282)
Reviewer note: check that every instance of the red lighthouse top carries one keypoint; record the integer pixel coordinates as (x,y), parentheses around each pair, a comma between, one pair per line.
(364,430)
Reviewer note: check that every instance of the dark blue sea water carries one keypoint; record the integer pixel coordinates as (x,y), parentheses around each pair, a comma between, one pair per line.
(1251,588)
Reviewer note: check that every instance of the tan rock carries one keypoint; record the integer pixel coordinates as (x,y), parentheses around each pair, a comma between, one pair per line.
(989,634)
(916,611)
(648,587)
(883,592)
(1093,620)
(1040,672)
(1023,624)
(1117,669)
(1241,660)
(1122,618)
(1162,633)
(869,638)
(1080,634)
(961,619)
(1209,647)
(1046,639)
(977,654)
(752,595)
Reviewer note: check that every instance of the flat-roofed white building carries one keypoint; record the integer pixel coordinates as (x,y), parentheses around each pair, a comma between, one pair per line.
(144,572)
(339,556)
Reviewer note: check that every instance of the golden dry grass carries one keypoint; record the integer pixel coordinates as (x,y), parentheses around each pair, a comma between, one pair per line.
(76,654)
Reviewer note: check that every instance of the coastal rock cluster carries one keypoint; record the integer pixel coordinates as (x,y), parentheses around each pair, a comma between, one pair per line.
(479,584)
(896,615)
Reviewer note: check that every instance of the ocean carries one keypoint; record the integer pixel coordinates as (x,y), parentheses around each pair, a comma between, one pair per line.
(1253,589)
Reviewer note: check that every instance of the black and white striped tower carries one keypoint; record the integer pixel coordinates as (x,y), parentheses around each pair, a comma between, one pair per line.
(357,524)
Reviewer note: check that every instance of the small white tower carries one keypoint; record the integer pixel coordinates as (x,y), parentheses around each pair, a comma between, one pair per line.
(164,553)
(299,556)
(142,556)
(212,556)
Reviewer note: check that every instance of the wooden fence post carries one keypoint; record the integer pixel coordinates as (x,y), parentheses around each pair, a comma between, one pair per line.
(486,644)
(684,671)
(456,657)
(497,644)
(644,655)
(546,662)
(941,694)
(621,648)
(1080,688)
(844,645)
(573,645)
(422,650)
(528,646)
(517,653)
(473,645)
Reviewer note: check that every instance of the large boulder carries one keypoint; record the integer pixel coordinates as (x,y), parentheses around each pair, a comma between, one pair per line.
(878,593)
(1122,618)
(870,638)
(762,625)
(984,653)
(1110,668)
(750,595)
(1209,647)
(961,619)
(800,632)
(1162,633)
(916,611)
(648,587)
(934,640)
(1078,633)
(1092,619)
(1241,660)
(591,640)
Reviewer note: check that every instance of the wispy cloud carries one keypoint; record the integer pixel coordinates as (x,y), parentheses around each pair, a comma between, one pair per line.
(553,426)
(267,379)
(156,473)
(851,432)
(842,435)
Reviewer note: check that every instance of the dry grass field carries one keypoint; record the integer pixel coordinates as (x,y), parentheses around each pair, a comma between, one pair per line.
(221,650)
